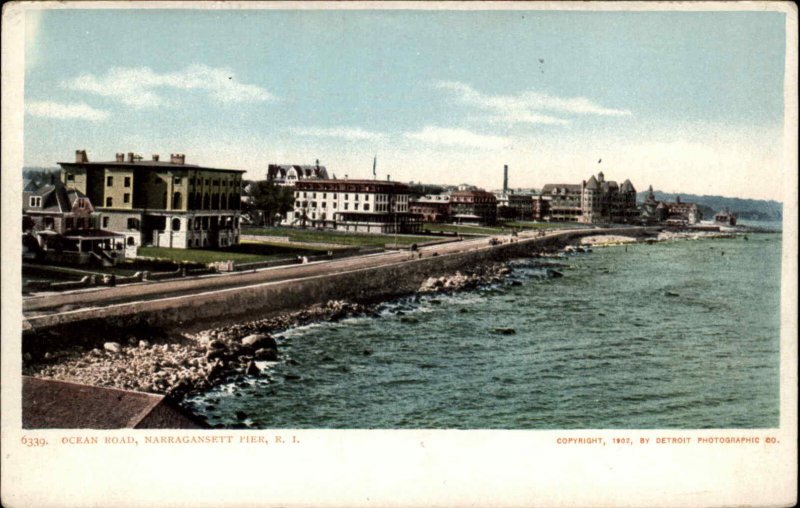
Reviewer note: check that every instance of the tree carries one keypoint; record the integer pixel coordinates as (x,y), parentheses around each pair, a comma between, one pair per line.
(271,200)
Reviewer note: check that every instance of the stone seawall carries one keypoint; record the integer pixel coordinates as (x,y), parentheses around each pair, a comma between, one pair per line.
(224,306)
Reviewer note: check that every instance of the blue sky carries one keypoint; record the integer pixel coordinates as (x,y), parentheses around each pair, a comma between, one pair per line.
(685,101)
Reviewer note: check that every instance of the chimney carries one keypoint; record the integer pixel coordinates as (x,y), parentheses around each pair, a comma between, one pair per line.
(388,177)
(80,156)
(505,179)
(120,157)
(130,156)
(155,157)
(177,158)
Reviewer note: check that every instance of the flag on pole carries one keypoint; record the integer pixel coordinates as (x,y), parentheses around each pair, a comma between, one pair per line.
(374,164)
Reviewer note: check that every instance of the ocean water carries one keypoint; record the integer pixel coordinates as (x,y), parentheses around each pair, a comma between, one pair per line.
(680,335)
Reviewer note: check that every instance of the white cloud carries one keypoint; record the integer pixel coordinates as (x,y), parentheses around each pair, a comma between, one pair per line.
(458,138)
(526,107)
(348,133)
(79,111)
(138,87)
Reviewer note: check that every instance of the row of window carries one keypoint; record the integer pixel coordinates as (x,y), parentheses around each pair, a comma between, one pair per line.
(126,181)
(177,180)
(36,202)
(378,197)
(379,207)
(126,198)
(207,181)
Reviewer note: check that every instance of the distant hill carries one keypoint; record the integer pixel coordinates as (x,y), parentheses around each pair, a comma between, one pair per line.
(753,209)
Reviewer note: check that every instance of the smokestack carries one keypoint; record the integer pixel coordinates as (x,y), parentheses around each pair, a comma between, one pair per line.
(177,158)
(388,177)
(130,156)
(505,179)
(80,156)
(155,157)
(120,157)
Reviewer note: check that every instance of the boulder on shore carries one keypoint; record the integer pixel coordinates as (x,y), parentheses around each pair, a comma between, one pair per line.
(266,355)
(113,347)
(259,341)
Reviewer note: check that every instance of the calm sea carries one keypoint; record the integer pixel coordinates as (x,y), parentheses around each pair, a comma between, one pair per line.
(681,334)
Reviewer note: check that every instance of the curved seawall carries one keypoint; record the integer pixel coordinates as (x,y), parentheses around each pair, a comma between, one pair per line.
(255,301)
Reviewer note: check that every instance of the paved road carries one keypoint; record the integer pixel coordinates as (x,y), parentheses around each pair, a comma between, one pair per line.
(98,297)
(57,303)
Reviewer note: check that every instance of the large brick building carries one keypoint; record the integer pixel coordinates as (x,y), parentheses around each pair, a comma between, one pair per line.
(161,203)
(593,201)
(473,206)
(368,206)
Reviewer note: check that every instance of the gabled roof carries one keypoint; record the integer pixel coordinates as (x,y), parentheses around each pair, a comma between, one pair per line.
(592,183)
(55,197)
(627,186)
(548,188)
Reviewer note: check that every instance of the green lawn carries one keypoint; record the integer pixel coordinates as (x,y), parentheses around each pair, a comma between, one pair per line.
(543,225)
(463,229)
(242,253)
(335,237)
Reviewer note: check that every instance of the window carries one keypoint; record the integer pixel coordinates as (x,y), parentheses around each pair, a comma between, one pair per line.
(127,181)
(176,180)
(345,206)
(324,204)
(70,177)
(81,203)
(346,196)
(131,241)
(36,201)
(177,200)
(126,198)
(109,181)
(133,223)
(109,201)
(355,206)
(105,222)
(366,207)
(176,224)
(69,223)
(48,223)
(81,223)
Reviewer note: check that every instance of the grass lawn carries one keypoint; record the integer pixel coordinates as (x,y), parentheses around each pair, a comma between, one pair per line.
(464,229)
(335,237)
(242,253)
(543,225)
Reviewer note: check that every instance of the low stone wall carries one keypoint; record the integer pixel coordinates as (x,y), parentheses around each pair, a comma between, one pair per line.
(262,300)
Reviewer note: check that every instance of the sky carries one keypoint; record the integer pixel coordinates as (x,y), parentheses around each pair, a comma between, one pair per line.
(687,102)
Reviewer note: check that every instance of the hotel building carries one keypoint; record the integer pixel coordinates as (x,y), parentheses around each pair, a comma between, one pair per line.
(160,203)
(367,206)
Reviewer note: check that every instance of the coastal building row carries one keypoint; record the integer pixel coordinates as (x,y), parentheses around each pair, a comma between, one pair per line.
(677,213)
(368,206)
(127,202)
(593,201)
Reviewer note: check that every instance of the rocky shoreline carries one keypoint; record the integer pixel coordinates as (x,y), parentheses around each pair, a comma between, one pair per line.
(176,364)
